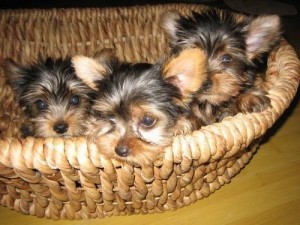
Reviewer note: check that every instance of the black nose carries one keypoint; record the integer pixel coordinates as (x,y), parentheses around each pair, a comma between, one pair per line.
(60,127)
(122,151)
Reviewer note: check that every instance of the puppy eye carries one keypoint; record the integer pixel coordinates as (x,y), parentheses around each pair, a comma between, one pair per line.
(226,58)
(41,104)
(111,118)
(75,100)
(147,121)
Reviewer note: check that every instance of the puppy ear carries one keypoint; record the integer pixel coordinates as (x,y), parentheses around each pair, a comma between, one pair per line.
(170,23)
(187,71)
(105,55)
(92,70)
(14,75)
(263,33)
(88,70)
(11,68)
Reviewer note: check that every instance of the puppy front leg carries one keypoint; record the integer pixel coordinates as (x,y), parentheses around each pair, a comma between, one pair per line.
(253,101)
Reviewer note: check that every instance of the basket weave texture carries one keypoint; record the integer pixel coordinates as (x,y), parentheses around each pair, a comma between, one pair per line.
(70,178)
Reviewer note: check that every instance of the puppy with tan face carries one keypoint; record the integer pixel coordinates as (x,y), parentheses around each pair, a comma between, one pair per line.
(234,47)
(55,102)
(139,108)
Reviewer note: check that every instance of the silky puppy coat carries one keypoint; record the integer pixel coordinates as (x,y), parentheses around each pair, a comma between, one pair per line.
(139,108)
(53,99)
(234,48)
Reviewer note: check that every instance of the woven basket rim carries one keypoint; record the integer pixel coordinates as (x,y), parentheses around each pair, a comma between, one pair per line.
(221,134)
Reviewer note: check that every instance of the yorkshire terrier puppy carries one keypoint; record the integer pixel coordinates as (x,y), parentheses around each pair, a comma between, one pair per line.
(234,47)
(53,99)
(139,108)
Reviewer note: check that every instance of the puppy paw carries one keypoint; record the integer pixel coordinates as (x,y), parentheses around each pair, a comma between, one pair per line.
(250,102)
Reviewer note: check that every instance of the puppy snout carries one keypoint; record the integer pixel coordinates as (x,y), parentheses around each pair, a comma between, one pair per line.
(122,151)
(61,127)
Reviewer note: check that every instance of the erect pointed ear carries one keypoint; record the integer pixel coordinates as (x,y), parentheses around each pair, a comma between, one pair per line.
(11,68)
(14,75)
(91,70)
(105,55)
(263,33)
(170,23)
(187,71)
(88,70)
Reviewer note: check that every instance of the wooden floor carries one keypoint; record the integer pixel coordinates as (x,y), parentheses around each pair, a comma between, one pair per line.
(267,191)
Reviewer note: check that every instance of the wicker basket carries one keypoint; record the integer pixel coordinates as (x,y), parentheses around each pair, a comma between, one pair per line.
(69,178)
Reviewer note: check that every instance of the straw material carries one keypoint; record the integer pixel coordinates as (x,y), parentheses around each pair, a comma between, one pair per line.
(70,178)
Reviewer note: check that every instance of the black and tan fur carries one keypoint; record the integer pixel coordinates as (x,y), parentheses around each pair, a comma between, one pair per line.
(139,108)
(55,101)
(234,47)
